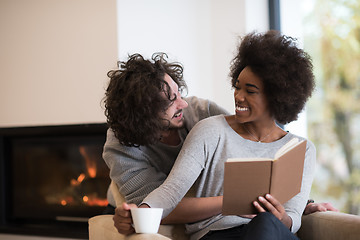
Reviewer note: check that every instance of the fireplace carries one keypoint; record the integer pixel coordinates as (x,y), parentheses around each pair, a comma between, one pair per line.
(52,179)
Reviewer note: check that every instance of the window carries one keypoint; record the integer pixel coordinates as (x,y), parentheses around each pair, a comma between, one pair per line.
(330,32)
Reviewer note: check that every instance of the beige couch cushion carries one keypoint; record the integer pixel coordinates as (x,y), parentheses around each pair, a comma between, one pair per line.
(329,225)
(102,227)
(315,226)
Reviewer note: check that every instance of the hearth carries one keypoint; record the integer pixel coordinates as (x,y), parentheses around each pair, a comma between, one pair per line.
(52,179)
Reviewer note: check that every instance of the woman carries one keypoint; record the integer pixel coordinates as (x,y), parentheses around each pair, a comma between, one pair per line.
(272,80)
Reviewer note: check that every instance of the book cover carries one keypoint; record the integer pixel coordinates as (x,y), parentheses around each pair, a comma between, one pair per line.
(245,179)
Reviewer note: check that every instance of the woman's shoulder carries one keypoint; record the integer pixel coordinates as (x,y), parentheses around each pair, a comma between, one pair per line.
(309,144)
(211,126)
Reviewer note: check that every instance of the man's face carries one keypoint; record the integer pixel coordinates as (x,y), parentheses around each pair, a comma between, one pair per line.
(174,113)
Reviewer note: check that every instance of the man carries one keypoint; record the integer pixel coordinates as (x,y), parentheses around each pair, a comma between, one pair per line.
(149,120)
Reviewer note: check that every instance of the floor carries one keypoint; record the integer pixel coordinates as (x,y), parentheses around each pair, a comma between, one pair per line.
(23,237)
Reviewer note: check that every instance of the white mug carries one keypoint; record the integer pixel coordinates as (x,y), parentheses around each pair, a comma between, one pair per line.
(146,220)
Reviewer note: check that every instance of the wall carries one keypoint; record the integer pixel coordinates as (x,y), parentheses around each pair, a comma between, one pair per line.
(55,53)
(54,58)
(201,34)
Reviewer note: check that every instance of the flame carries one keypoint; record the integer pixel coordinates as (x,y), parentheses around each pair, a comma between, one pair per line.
(90,162)
(97,202)
(81,178)
(74,182)
(91,199)
(92,172)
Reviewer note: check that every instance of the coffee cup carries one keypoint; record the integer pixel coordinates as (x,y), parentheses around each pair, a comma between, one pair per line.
(146,220)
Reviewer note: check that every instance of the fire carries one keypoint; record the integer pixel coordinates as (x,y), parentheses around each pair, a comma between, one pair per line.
(94,201)
(90,163)
(92,172)
(90,199)
(78,181)
(81,178)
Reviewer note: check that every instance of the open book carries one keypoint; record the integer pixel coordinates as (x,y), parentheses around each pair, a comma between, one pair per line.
(245,179)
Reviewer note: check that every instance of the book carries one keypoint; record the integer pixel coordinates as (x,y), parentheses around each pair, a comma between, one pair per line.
(245,179)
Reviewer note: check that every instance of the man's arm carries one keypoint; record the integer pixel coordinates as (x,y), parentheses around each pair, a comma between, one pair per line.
(131,170)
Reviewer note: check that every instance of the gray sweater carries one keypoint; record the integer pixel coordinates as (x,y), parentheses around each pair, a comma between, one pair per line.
(201,161)
(139,170)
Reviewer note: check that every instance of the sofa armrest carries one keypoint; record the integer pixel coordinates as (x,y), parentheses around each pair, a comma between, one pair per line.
(329,225)
(102,228)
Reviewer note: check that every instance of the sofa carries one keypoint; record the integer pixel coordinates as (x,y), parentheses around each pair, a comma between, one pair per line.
(315,226)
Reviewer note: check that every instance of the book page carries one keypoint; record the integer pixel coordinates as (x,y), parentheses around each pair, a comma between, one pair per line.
(287,173)
(290,144)
(248,159)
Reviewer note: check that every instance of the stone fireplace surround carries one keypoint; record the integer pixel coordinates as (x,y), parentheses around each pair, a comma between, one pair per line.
(52,179)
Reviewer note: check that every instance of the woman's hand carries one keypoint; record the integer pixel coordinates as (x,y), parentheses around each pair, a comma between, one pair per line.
(122,219)
(272,205)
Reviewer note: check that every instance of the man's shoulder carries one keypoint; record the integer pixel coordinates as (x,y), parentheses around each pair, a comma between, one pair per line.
(213,124)
(194,101)
(200,108)
(112,143)
(196,110)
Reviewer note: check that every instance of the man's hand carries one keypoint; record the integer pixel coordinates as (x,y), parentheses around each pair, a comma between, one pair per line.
(319,207)
(122,219)
(275,207)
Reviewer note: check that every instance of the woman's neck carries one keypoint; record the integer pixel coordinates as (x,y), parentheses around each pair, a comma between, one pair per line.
(258,133)
(267,131)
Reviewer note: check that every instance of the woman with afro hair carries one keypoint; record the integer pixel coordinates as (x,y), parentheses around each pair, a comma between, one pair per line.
(272,80)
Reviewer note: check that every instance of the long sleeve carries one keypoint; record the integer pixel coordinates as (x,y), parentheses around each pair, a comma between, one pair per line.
(139,170)
(131,169)
(187,168)
(295,206)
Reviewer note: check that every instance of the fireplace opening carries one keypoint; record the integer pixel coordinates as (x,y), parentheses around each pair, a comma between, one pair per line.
(53,179)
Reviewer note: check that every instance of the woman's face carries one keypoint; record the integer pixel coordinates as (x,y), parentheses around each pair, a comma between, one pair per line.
(250,100)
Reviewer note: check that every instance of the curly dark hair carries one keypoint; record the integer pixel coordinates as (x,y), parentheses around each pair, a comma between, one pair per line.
(286,71)
(133,102)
